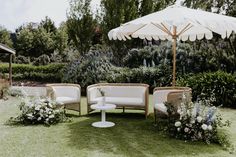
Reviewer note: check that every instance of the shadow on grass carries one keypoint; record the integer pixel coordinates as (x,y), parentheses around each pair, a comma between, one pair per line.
(133,135)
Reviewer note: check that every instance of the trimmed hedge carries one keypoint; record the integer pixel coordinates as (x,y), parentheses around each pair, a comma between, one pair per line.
(47,73)
(220,84)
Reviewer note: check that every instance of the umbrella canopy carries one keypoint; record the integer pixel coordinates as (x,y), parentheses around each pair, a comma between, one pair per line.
(176,22)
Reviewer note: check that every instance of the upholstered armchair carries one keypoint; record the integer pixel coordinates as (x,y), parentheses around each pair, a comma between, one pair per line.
(172,95)
(68,95)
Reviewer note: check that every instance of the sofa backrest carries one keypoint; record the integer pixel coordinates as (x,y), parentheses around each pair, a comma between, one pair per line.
(160,94)
(65,90)
(117,90)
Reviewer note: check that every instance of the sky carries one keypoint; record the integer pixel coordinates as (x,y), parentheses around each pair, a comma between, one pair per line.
(14,13)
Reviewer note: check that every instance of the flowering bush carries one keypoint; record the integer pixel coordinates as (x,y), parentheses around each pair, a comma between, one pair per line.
(198,121)
(39,111)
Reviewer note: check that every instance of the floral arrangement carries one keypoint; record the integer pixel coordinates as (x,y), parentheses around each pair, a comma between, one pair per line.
(36,110)
(198,121)
(101,92)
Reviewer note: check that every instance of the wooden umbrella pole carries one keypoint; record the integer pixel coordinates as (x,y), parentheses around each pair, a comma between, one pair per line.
(174,36)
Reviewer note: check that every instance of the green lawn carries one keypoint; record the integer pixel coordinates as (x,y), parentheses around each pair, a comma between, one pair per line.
(133,135)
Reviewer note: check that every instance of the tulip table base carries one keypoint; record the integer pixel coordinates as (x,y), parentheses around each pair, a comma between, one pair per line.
(103,123)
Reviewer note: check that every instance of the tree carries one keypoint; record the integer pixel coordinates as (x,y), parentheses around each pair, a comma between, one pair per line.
(146,7)
(162,4)
(48,25)
(222,49)
(5,37)
(227,7)
(43,42)
(61,38)
(24,42)
(81,25)
(114,13)
(33,40)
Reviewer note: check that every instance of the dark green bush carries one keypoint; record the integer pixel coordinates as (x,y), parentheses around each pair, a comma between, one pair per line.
(155,77)
(219,84)
(48,73)
(42,60)
(89,69)
(22,60)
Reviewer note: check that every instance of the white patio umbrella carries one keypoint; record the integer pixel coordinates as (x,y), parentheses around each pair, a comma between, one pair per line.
(176,23)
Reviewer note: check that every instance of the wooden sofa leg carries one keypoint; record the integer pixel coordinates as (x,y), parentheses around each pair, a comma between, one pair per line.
(64,108)
(79,109)
(155,117)
(146,114)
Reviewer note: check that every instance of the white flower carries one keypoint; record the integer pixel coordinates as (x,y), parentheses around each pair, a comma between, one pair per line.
(39,118)
(57,111)
(50,105)
(51,116)
(188,112)
(178,123)
(178,129)
(192,121)
(199,119)
(37,108)
(204,126)
(209,127)
(29,115)
(186,129)
(179,111)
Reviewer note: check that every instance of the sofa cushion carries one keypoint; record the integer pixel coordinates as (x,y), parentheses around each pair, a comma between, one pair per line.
(121,101)
(161,107)
(66,100)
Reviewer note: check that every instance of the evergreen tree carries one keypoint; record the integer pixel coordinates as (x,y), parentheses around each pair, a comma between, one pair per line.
(48,25)
(5,37)
(146,7)
(81,25)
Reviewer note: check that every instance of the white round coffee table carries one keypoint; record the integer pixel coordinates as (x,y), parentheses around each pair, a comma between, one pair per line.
(103,123)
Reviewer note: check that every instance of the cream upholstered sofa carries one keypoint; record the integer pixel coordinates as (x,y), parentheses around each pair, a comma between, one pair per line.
(123,95)
(67,94)
(168,94)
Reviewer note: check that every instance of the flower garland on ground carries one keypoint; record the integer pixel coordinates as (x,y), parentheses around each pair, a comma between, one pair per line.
(198,121)
(36,110)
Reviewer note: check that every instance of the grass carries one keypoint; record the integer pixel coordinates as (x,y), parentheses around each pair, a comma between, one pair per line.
(133,135)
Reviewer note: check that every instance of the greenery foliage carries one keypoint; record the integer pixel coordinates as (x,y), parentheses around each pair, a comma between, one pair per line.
(91,68)
(48,73)
(42,60)
(221,84)
(5,37)
(160,76)
(22,59)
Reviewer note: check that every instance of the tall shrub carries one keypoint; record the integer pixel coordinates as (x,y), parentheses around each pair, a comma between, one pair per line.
(219,84)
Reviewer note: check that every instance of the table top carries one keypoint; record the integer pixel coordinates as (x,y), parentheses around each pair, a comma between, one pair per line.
(103,107)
